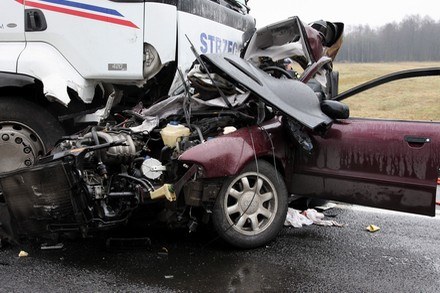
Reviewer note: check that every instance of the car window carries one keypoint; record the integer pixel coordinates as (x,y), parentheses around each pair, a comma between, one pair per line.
(407,99)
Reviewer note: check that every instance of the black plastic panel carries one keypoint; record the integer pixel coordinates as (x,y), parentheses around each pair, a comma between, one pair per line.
(38,196)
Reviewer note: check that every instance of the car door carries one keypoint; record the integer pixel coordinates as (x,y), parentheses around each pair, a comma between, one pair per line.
(12,39)
(391,164)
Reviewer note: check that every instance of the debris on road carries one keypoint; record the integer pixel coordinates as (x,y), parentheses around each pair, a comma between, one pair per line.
(308,217)
(373,228)
(23,254)
(326,206)
(46,246)
(295,219)
(163,251)
(318,218)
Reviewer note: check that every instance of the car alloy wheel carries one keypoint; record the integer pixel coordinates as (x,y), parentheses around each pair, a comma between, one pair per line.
(251,202)
(251,207)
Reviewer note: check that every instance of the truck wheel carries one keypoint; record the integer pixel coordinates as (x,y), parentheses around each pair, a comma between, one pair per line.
(251,207)
(26,132)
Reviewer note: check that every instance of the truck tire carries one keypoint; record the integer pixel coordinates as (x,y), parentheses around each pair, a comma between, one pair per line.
(27,131)
(251,207)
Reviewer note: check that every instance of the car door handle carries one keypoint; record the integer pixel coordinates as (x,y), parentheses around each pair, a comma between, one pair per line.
(35,21)
(417,140)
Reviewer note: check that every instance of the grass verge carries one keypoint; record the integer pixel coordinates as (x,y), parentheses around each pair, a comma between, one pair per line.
(409,99)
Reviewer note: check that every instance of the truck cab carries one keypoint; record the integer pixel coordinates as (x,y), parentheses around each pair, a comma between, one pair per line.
(60,60)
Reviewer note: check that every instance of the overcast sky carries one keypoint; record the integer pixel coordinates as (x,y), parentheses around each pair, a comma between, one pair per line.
(353,12)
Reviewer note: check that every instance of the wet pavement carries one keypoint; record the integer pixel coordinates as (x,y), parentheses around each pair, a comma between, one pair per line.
(404,256)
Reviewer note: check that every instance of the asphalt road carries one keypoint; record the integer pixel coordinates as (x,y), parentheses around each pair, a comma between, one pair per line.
(404,256)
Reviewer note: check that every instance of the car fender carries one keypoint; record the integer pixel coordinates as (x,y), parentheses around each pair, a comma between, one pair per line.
(219,157)
(43,62)
(227,155)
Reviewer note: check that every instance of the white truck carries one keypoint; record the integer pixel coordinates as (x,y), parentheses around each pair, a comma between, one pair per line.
(67,62)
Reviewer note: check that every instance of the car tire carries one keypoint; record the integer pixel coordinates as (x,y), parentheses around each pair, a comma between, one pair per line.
(251,207)
(27,131)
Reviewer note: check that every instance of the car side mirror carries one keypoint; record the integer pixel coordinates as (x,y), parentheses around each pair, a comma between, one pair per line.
(335,109)
(334,83)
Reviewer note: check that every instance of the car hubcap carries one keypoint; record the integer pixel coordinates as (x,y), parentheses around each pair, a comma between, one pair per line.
(19,144)
(251,203)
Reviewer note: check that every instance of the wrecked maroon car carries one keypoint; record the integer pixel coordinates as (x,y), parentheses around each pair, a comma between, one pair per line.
(232,160)
(385,163)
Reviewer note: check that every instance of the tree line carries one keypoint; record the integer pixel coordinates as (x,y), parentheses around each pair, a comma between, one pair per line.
(415,38)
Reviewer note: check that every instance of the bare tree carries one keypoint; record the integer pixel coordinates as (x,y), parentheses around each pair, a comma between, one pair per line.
(415,38)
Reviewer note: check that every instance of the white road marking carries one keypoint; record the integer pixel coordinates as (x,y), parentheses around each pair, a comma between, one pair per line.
(388,212)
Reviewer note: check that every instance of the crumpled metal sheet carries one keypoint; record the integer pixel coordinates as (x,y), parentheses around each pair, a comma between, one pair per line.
(149,123)
(293,98)
(174,104)
(46,64)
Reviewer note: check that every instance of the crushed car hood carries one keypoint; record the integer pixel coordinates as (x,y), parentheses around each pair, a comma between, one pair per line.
(293,98)
(284,39)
